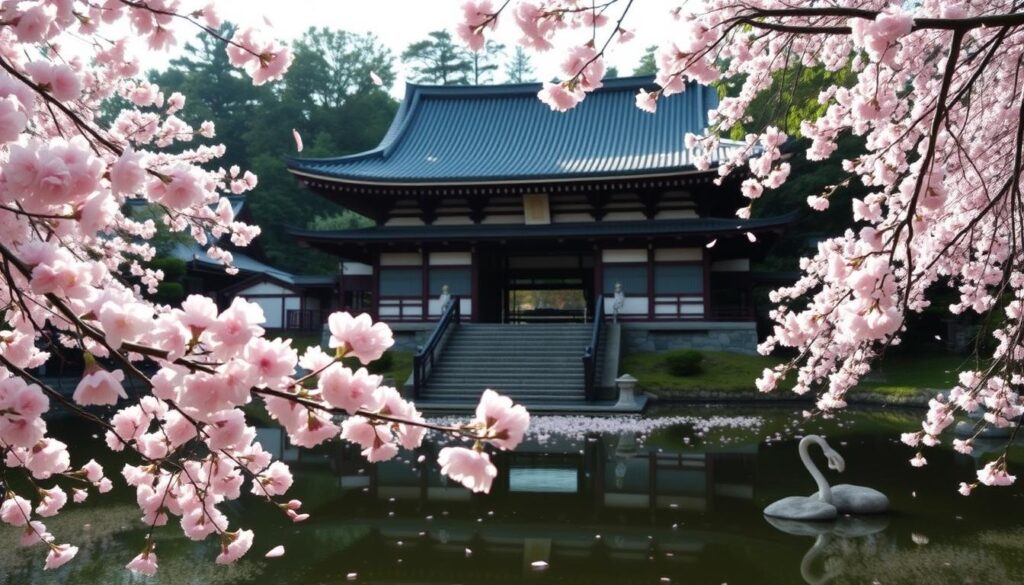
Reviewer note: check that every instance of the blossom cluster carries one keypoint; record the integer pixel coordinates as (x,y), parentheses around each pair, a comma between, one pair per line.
(932,89)
(76,280)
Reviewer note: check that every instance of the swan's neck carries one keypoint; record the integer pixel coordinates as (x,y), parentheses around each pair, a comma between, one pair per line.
(824,491)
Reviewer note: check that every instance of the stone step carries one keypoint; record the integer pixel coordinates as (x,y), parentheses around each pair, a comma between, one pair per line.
(526,326)
(524,375)
(476,389)
(499,341)
(532,350)
(505,369)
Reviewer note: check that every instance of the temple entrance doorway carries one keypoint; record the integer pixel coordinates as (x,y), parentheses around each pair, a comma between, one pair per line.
(534,287)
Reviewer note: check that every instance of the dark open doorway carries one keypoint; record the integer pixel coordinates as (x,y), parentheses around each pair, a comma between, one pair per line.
(534,287)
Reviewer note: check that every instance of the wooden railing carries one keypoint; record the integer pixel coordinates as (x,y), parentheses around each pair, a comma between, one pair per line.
(425,355)
(592,353)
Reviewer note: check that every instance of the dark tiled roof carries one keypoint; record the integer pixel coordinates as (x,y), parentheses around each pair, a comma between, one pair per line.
(498,134)
(709,226)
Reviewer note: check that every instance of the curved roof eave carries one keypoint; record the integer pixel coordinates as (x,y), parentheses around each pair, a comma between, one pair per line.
(488,181)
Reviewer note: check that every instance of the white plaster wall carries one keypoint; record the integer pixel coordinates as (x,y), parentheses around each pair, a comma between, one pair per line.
(451,258)
(264,288)
(356,269)
(271,311)
(612,256)
(678,255)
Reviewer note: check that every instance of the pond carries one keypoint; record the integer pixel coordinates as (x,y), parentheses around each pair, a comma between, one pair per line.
(672,498)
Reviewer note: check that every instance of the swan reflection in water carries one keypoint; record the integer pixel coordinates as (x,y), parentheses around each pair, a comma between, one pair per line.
(847,528)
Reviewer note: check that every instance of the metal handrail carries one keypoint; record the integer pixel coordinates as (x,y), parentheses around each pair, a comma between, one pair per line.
(592,351)
(425,356)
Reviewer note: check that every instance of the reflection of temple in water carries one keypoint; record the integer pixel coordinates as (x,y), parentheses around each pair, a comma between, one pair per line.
(600,499)
(610,473)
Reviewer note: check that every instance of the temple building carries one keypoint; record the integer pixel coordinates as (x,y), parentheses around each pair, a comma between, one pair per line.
(532,216)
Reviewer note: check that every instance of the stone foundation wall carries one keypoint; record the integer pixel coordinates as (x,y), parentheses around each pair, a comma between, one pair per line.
(730,337)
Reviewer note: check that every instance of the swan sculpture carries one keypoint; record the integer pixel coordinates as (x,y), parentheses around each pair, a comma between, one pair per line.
(828,502)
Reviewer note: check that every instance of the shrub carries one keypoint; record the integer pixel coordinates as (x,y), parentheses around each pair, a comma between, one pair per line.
(684,363)
(382,365)
(174,268)
(169,293)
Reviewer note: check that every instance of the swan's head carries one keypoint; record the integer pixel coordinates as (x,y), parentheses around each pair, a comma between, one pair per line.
(835,460)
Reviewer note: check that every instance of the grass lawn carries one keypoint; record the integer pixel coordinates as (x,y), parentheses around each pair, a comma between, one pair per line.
(895,376)
(721,372)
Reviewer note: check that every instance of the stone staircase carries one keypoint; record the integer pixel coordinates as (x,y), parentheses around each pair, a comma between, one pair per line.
(535,364)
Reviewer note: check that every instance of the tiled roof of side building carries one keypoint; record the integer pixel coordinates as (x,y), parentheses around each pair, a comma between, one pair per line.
(452,135)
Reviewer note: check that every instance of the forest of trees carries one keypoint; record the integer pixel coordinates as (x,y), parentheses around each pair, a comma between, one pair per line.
(329,96)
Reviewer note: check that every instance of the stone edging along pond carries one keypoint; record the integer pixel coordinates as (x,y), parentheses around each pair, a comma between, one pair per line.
(918,400)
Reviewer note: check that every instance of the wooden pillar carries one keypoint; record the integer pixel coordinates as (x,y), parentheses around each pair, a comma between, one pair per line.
(425,291)
(650,282)
(474,284)
(375,287)
(706,255)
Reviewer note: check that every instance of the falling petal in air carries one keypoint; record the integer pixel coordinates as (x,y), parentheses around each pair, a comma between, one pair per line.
(751,237)
(277,551)
(712,243)
(298,140)
(376,78)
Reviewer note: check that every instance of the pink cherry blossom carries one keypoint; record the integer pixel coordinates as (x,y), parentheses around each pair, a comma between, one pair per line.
(272,361)
(470,467)
(144,563)
(274,481)
(15,511)
(99,387)
(559,97)
(59,555)
(124,322)
(476,16)
(352,391)
(238,544)
(994,474)
(359,336)
(51,501)
(504,423)
(647,102)
(375,439)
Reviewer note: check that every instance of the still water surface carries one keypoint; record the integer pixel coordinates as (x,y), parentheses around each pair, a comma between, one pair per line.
(677,502)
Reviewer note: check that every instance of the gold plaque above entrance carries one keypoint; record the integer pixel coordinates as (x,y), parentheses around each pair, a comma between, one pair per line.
(536,208)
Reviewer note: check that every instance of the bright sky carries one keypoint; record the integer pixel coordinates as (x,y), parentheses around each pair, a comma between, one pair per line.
(397,23)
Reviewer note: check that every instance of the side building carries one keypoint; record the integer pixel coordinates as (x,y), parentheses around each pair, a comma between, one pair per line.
(529,215)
